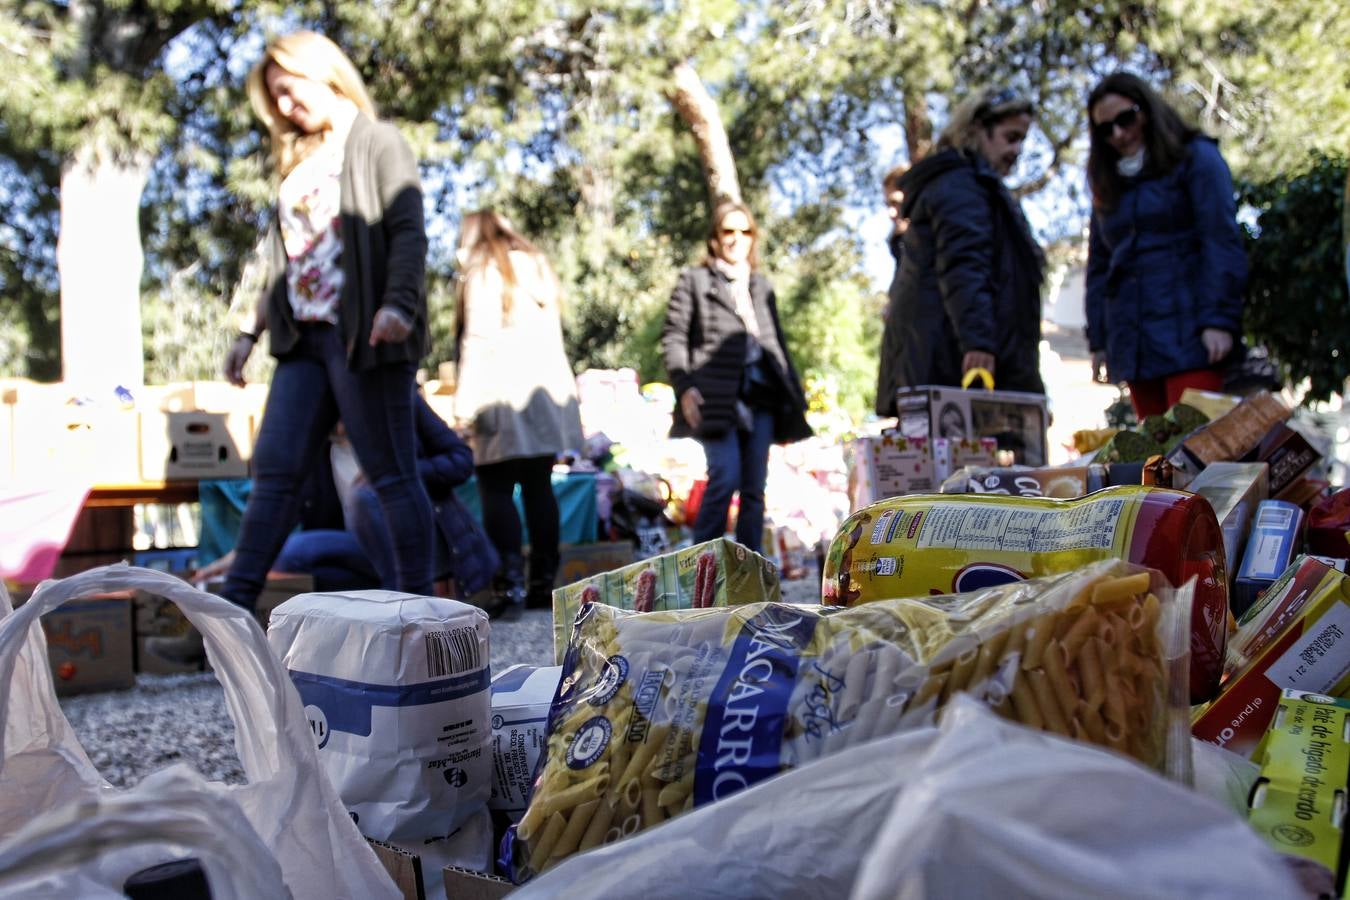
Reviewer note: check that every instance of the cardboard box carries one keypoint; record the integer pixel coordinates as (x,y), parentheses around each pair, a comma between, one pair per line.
(1271,547)
(1228,438)
(1016,420)
(1288,454)
(719,572)
(1061,483)
(1296,636)
(89,644)
(1234,490)
(521,698)
(463,884)
(890,465)
(1298,802)
(578,561)
(404,868)
(194,445)
(953,454)
(55,439)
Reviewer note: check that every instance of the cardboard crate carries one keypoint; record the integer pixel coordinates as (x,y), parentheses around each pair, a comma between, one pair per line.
(403,867)
(59,440)
(89,643)
(578,561)
(194,445)
(1016,420)
(463,884)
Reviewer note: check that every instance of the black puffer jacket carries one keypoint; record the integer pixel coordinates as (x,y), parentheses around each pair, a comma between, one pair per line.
(969,279)
(704,342)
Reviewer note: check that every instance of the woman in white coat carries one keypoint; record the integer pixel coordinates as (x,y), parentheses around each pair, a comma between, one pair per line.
(517,396)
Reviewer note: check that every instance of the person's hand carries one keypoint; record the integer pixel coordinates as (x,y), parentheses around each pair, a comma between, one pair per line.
(1099,366)
(977,359)
(1218,343)
(691,402)
(390,326)
(901,226)
(236,358)
(217,569)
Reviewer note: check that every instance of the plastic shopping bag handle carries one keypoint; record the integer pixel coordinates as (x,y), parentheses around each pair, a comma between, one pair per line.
(983,374)
(271,731)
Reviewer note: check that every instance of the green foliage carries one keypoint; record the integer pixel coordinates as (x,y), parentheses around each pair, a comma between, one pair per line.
(1297,301)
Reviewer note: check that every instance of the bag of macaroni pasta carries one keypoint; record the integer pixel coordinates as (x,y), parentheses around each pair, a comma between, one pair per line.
(660,712)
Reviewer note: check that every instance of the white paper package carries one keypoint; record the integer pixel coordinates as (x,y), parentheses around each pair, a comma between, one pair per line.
(395,687)
(521,697)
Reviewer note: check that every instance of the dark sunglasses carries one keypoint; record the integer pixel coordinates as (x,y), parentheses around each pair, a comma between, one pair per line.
(744,232)
(1124,119)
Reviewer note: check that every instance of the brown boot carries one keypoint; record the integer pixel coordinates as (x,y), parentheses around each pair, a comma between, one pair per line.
(186,649)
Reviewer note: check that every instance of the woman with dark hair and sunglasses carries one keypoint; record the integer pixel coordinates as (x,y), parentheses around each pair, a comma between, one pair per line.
(968,291)
(1166,269)
(735,386)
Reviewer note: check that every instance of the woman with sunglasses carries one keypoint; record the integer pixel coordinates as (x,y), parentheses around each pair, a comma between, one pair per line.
(1166,269)
(735,386)
(967,292)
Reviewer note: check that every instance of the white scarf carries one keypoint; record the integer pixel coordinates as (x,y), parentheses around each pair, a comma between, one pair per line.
(739,277)
(1132,165)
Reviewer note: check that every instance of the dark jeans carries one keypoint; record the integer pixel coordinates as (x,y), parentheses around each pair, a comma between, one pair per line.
(737,461)
(333,557)
(311,390)
(496,488)
(374,539)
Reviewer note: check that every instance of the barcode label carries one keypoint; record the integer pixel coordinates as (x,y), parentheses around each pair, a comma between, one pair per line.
(452,652)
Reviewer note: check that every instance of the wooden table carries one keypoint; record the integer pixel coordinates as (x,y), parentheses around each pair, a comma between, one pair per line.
(126,495)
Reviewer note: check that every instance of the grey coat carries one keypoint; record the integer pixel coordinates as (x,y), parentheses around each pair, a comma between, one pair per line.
(384,251)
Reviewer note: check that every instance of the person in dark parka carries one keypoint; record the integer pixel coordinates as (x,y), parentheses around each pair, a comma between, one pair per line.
(736,389)
(967,294)
(1166,269)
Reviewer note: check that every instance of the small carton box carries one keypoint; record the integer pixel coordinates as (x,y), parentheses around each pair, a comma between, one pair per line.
(578,561)
(521,698)
(194,445)
(1234,490)
(1228,438)
(719,572)
(954,454)
(1016,420)
(890,465)
(403,866)
(1271,547)
(1061,483)
(1296,635)
(89,644)
(1298,802)
(1288,454)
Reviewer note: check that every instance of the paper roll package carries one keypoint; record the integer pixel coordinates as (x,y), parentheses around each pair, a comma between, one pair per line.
(521,697)
(396,690)
(949,543)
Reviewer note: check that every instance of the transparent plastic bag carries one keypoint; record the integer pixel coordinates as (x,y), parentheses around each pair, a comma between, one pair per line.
(661,712)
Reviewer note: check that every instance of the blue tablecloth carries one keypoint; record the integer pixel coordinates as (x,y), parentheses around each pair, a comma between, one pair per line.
(223,509)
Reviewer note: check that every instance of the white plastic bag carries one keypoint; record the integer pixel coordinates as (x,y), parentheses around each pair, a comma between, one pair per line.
(977,807)
(80,849)
(997,810)
(288,800)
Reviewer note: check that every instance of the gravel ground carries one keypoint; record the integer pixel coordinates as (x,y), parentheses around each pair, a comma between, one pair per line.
(182,718)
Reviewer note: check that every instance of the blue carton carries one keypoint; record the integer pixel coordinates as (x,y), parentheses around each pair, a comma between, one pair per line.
(1272,546)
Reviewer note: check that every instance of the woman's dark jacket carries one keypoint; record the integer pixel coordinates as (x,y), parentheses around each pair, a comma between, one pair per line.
(1165,264)
(384,251)
(969,279)
(704,344)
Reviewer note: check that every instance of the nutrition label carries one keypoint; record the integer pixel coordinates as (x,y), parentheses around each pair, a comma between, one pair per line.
(985,526)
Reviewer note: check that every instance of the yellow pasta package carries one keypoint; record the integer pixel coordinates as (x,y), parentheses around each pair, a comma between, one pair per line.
(663,711)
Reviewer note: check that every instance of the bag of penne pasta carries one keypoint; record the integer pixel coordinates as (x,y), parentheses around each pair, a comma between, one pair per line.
(660,712)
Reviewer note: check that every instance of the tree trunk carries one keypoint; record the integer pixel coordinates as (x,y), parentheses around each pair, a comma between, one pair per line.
(99,258)
(918,128)
(699,111)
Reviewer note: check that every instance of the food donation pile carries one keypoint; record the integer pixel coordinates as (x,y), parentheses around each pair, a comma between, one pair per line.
(1158,619)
